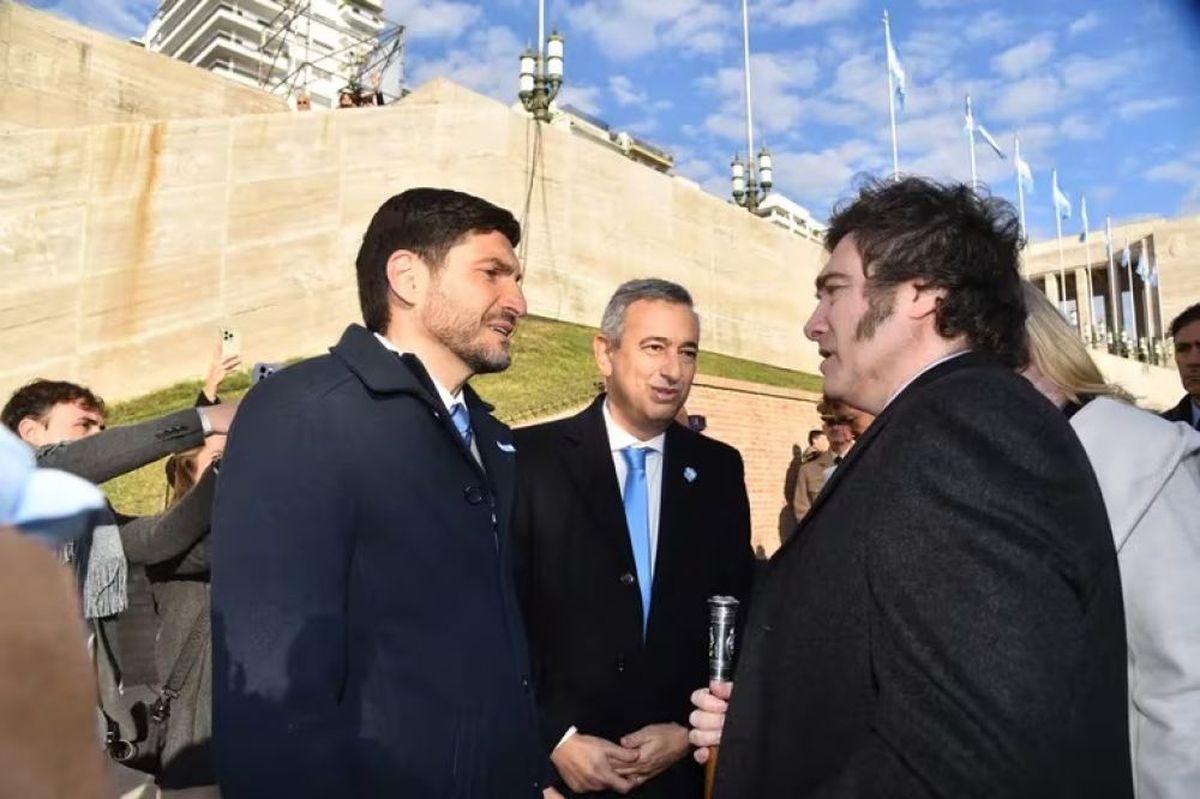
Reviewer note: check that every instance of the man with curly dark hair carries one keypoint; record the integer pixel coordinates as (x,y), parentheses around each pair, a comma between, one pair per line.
(947,619)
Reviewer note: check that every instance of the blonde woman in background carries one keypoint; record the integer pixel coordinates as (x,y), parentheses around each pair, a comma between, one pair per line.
(1149,473)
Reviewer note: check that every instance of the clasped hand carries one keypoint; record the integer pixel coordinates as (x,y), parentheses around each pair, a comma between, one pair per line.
(588,763)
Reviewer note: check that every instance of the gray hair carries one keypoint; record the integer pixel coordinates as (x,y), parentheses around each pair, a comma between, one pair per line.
(612,325)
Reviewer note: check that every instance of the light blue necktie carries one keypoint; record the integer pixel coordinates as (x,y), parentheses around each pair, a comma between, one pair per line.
(462,422)
(637,516)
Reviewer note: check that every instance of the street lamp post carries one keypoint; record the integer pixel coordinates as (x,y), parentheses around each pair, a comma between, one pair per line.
(541,77)
(749,188)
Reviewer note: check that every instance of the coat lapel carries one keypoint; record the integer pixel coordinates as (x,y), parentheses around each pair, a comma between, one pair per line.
(842,472)
(587,460)
(677,491)
(494,442)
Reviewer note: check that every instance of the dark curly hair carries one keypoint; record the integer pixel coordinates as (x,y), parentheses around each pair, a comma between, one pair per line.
(943,236)
(1189,315)
(427,222)
(36,399)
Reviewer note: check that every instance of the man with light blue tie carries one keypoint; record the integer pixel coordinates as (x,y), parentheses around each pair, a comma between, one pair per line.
(625,523)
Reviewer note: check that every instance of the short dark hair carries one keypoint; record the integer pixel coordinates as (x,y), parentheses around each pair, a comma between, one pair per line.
(1190,314)
(36,399)
(947,236)
(427,222)
(813,435)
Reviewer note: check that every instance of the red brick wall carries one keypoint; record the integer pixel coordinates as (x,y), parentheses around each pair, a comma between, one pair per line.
(763,423)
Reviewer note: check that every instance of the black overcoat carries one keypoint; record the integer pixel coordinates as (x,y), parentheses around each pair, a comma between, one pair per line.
(947,619)
(367,640)
(578,584)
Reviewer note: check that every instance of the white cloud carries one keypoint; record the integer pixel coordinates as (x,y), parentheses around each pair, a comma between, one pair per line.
(1136,108)
(623,91)
(624,29)
(585,98)
(776,79)
(1080,127)
(1022,59)
(1087,22)
(1029,98)
(1186,172)
(803,13)
(817,178)
(486,63)
(120,18)
(1085,73)
(440,19)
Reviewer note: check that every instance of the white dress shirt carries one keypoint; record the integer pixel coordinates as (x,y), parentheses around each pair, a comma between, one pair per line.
(913,379)
(449,400)
(619,439)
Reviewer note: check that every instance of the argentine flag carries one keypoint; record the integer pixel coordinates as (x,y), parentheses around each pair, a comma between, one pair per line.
(974,127)
(1083,220)
(1024,173)
(897,71)
(1061,204)
(1125,255)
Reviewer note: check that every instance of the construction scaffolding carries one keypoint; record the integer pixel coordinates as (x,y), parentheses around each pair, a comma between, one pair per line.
(289,36)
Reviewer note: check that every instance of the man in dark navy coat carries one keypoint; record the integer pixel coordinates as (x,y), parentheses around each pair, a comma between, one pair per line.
(367,640)
(947,619)
(626,523)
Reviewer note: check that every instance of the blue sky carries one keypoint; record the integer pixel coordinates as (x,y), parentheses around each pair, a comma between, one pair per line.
(1104,91)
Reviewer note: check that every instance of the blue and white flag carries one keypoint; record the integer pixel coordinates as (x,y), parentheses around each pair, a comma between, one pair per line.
(1142,269)
(1083,220)
(1062,205)
(972,127)
(895,68)
(1108,248)
(1125,255)
(1024,173)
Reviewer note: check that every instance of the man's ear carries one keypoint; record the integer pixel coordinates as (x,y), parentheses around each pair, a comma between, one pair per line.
(601,349)
(31,431)
(920,300)
(408,276)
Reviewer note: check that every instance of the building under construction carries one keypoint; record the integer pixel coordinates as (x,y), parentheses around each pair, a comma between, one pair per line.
(317,47)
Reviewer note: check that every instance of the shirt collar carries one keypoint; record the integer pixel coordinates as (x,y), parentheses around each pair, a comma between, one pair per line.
(912,379)
(448,399)
(619,438)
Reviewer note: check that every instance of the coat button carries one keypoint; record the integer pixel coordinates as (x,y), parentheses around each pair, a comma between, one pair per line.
(628,579)
(620,664)
(473,494)
(525,684)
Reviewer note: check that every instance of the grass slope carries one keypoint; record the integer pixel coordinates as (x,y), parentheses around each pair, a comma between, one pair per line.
(552,370)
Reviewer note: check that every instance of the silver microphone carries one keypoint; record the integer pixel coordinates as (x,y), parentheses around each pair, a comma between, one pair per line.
(722,637)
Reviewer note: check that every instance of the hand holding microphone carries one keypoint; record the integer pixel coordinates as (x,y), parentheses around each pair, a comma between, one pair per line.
(712,702)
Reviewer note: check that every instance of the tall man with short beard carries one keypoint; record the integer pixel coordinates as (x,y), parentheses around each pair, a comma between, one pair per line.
(947,620)
(367,640)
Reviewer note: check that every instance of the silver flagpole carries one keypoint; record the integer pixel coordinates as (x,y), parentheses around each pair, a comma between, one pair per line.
(1087,248)
(1131,329)
(1114,278)
(971,142)
(1020,184)
(1062,269)
(1145,257)
(887,40)
(750,160)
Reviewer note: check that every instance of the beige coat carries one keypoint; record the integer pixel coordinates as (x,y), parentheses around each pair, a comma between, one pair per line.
(48,741)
